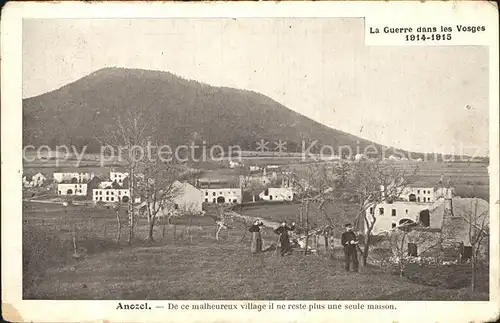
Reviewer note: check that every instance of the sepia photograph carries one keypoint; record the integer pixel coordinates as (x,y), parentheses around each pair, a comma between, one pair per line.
(273,158)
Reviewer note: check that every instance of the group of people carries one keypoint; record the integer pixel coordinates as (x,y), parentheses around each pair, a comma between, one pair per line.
(282,231)
(348,240)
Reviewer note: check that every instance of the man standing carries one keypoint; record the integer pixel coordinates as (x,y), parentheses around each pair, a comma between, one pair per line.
(284,239)
(350,242)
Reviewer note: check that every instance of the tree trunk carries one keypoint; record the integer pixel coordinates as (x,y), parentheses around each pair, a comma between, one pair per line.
(473,278)
(325,236)
(150,229)
(74,239)
(366,248)
(131,205)
(307,228)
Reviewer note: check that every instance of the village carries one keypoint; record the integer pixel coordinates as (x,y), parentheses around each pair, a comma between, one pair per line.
(247,159)
(417,226)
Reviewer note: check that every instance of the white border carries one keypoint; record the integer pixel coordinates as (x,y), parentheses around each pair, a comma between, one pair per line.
(484,13)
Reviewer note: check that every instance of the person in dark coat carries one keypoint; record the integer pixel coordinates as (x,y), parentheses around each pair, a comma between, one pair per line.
(350,242)
(256,245)
(282,230)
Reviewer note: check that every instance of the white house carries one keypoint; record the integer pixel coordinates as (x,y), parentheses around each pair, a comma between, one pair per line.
(117,176)
(419,194)
(36,180)
(73,177)
(79,189)
(277,194)
(105,184)
(221,195)
(187,198)
(111,195)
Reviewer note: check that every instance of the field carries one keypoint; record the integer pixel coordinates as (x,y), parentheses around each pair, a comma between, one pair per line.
(186,262)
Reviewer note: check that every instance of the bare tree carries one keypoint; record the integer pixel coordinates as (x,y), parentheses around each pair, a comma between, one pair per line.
(126,137)
(315,186)
(159,188)
(119,223)
(477,223)
(223,220)
(369,184)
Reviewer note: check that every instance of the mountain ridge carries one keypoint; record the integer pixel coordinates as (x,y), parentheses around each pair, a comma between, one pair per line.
(76,113)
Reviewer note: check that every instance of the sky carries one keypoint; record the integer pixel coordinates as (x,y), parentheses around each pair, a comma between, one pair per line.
(423,99)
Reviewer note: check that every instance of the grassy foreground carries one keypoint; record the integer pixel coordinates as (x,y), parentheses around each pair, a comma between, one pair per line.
(196,266)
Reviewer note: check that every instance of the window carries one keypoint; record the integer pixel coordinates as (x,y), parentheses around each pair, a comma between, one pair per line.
(393,225)
(220,193)
(100,198)
(112,198)
(214,200)
(371,210)
(59,192)
(266,192)
(418,199)
(107,192)
(206,199)
(176,206)
(418,191)
(206,193)
(213,193)
(393,212)
(381,211)
(406,211)
(107,198)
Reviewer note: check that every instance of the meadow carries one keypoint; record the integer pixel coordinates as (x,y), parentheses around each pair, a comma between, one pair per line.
(186,262)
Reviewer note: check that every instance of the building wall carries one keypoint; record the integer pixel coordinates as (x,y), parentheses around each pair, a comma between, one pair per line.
(117,176)
(189,199)
(72,189)
(81,177)
(110,195)
(215,195)
(422,194)
(105,184)
(277,194)
(393,213)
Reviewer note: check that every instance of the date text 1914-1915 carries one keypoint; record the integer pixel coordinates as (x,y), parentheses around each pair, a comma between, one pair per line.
(428,37)
(427,33)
